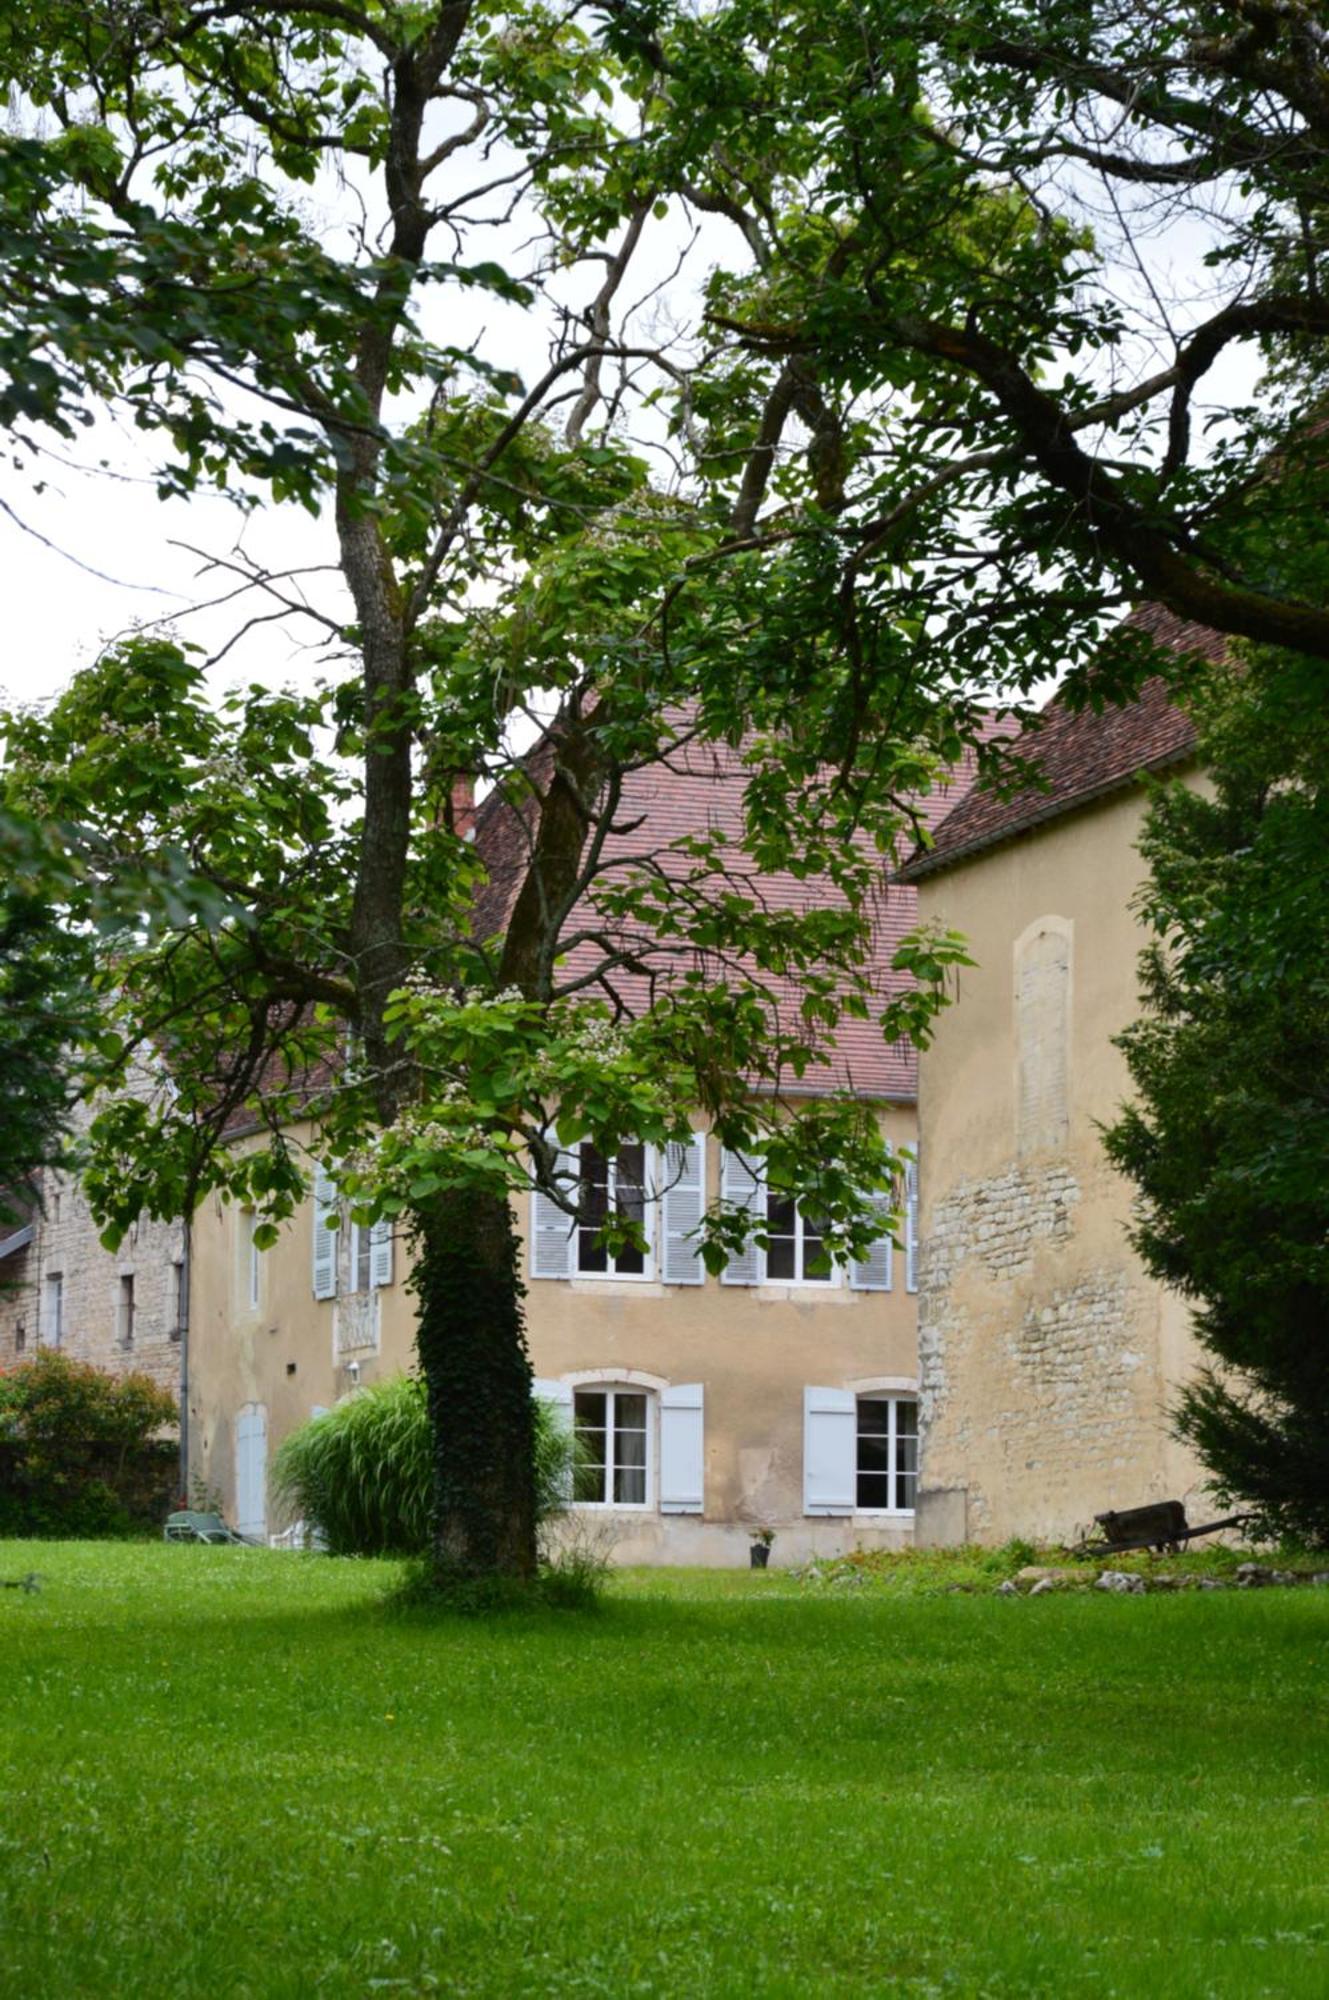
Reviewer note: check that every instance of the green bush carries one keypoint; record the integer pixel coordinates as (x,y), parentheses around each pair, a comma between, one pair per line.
(362,1473)
(79,1454)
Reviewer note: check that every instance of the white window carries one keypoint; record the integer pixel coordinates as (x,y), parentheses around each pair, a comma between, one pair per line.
(860,1452)
(611,1185)
(371,1255)
(124,1310)
(613,1432)
(53,1310)
(887,1458)
(664,1193)
(795,1251)
(359,1257)
(675,1422)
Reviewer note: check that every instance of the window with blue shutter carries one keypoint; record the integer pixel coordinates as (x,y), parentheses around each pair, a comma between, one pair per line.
(741,1186)
(830,1438)
(911,1224)
(873,1273)
(683,1203)
(325,1235)
(682,1449)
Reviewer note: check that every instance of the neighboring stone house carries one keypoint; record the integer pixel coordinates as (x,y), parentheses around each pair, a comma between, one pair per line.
(124,1309)
(1048,1356)
(779,1394)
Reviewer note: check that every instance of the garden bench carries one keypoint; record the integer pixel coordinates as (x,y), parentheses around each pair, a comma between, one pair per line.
(190,1526)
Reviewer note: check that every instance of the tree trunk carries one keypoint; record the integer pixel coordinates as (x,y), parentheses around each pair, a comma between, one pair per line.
(471,1337)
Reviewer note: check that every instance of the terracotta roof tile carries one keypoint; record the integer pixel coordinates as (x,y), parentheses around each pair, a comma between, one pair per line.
(1081,754)
(701,788)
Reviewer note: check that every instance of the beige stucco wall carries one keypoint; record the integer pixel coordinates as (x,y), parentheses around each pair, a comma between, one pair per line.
(754,1350)
(1048,1357)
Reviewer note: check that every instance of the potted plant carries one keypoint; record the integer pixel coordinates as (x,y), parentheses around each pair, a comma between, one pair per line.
(760,1552)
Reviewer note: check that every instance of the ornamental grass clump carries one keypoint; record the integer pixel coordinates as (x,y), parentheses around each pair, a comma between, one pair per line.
(362,1473)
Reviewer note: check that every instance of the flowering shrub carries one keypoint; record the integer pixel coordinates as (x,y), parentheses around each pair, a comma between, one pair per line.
(79,1450)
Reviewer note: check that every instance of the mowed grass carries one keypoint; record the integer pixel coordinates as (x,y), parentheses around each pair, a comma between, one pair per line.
(233,1772)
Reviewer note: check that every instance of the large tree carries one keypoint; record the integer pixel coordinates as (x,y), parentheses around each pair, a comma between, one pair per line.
(1228,1140)
(446,1016)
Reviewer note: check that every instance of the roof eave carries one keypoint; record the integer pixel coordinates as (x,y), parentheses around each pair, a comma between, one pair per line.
(933,861)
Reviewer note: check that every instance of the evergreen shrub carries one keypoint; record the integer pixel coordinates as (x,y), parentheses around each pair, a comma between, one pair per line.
(80,1450)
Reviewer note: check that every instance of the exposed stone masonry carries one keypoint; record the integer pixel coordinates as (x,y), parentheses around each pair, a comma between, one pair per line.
(96,1323)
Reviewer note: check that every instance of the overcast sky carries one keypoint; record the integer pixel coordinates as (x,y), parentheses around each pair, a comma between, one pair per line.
(95,553)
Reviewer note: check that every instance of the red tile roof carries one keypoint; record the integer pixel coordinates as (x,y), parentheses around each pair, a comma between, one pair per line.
(701,789)
(1081,754)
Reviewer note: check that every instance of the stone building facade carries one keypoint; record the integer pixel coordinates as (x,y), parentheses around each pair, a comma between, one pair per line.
(722,1403)
(1048,1356)
(779,1395)
(123,1310)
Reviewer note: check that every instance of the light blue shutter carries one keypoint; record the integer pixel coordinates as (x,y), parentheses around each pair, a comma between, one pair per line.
(683,1204)
(742,1187)
(380,1252)
(251,1471)
(911,1225)
(553,1232)
(830,1451)
(873,1272)
(682,1449)
(325,1236)
(560,1396)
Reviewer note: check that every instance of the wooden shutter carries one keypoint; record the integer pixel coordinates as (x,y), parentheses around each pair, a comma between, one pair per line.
(553,1231)
(380,1252)
(830,1451)
(251,1471)
(682,1453)
(325,1236)
(911,1225)
(742,1187)
(684,1204)
(560,1396)
(873,1272)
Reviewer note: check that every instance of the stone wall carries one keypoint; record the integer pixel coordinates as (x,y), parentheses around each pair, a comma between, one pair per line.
(1048,1357)
(96,1289)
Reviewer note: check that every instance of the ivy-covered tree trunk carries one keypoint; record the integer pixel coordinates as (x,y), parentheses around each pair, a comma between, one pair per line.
(471,1337)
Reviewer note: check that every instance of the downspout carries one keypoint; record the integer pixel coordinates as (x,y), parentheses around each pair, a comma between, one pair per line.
(184,1359)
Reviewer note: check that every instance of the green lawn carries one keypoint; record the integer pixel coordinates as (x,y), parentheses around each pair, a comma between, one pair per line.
(231,1772)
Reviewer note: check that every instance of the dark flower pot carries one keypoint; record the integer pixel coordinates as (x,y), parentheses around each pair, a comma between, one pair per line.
(759,1555)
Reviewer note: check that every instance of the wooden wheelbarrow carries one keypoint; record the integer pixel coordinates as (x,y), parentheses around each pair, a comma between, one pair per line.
(1162,1526)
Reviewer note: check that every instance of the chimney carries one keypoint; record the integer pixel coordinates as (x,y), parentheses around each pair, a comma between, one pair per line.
(461,807)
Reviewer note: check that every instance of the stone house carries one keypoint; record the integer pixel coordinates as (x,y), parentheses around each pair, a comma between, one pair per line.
(783,1393)
(124,1309)
(1048,1356)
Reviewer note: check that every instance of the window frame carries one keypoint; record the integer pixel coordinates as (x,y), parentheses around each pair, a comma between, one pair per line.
(360,1261)
(126,1308)
(652,1207)
(836,1272)
(52,1326)
(611,1391)
(894,1398)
